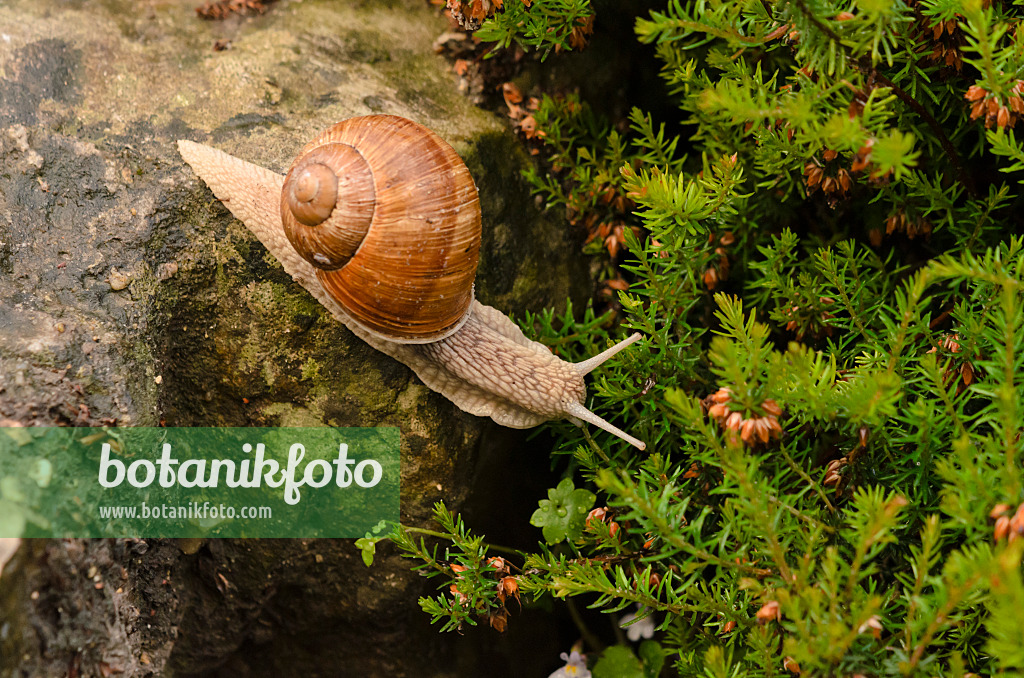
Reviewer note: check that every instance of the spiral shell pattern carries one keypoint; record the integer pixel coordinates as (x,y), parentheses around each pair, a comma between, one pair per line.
(389,215)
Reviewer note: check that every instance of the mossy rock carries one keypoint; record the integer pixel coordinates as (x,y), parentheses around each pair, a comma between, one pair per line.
(130,296)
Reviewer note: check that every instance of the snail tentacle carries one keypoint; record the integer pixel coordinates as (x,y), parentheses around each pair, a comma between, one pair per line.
(587,366)
(577,411)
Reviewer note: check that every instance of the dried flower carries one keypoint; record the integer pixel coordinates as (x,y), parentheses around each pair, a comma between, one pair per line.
(832,472)
(991,106)
(942,41)
(581,33)
(900,223)
(961,369)
(597,515)
(498,620)
(1007,527)
(872,625)
(719,270)
(471,13)
(998,510)
(768,612)
(459,597)
(834,181)
(508,587)
(753,429)
(1017,523)
(601,515)
(1002,528)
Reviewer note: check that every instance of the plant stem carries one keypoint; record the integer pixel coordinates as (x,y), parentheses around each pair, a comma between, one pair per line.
(448,537)
(588,636)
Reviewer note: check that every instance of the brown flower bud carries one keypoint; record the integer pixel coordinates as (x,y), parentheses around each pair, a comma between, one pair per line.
(874,625)
(763,430)
(1003,116)
(998,510)
(1002,528)
(747,430)
(596,515)
(1017,521)
(718,410)
(975,93)
(768,612)
(721,395)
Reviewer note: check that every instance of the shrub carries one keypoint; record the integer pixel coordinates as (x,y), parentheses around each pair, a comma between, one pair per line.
(832,381)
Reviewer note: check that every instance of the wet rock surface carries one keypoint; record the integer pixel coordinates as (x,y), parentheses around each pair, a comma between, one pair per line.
(130,297)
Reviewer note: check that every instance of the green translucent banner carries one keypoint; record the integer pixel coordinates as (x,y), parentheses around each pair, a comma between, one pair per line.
(197,482)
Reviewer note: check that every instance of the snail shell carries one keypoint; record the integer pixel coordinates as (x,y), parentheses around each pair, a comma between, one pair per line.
(389,215)
(380,221)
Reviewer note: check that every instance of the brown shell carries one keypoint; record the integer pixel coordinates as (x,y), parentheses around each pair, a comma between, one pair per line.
(399,250)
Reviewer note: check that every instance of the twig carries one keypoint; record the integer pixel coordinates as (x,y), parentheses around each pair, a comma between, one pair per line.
(448,537)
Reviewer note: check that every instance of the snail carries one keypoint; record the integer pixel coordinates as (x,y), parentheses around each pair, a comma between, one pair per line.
(379,219)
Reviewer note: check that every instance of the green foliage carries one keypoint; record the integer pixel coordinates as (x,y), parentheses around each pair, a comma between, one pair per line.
(827,272)
(468,574)
(368,544)
(618,661)
(544,25)
(562,514)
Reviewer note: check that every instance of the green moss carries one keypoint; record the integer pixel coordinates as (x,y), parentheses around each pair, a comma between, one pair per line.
(288,414)
(310,369)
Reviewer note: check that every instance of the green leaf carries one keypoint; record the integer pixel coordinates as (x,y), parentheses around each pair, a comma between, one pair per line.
(369,548)
(368,544)
(618,661)
(563,514)
(653,657)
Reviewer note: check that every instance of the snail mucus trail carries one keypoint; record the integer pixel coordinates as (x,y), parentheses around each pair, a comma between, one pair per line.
(379,219)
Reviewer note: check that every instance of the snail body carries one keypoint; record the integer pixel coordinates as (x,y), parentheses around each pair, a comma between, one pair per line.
(379,219)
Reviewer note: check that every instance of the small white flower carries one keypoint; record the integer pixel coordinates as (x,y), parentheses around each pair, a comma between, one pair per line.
(575,667)
(640,629)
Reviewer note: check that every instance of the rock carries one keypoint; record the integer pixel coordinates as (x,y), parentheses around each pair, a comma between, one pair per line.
(166,271)
(118,281)
(92,98)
